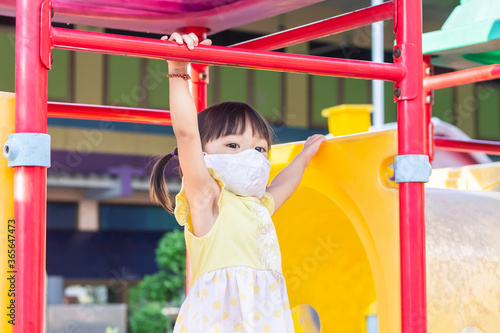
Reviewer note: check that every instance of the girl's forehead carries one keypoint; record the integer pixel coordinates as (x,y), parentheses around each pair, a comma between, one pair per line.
(254,136)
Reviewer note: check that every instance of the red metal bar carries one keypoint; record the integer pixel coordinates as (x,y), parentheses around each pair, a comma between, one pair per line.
(219,55)
(30,182)
(108,113)
(468,146)
(412,134)
(199,74)
(344,22)
(465,76)
(198,85)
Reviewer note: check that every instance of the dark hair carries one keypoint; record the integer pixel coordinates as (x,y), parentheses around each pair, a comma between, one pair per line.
(214,122)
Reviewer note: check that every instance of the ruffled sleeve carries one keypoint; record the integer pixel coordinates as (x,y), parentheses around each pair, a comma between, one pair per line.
(268,201)
(181,210)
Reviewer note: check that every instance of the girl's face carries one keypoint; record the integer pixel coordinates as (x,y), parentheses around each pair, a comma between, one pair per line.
(236,143)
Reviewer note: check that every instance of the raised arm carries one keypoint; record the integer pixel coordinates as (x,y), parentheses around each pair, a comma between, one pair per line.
(288,179)
(201,189)
(182,107)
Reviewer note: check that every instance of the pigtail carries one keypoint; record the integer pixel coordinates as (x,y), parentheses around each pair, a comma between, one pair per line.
(158,191)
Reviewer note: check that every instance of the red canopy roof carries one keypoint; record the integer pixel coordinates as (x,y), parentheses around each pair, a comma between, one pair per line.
(165,16)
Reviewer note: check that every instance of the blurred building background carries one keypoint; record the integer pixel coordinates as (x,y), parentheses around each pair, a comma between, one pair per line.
(102,228)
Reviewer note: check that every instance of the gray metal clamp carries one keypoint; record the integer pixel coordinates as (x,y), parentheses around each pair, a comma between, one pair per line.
(27,149)
(412,169)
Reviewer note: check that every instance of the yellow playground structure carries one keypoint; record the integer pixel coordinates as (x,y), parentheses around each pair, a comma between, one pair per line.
(339,236)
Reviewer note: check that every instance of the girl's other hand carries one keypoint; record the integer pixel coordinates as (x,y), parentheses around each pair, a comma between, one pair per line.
(191,40)
(311,146)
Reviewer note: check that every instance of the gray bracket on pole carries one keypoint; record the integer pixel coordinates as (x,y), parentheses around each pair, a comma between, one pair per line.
(412,168)
(27,149)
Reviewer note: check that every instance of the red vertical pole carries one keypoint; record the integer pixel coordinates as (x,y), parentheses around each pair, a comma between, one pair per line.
(428,100)
(412,136)
(199,81)
(30,181)
(199,74)
(198,86)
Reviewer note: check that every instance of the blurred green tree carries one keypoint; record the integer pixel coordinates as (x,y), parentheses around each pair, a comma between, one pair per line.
(159,290)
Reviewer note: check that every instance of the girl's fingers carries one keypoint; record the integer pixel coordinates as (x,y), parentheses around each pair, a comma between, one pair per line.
(316,138)
(178,39)
(194,38)
(175,37)
(189,41)
(321,139)
(206,42)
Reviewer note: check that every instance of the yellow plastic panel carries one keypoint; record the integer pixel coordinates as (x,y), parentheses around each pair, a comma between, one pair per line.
(348,118)
(339,236)
(339,232)
(6,205)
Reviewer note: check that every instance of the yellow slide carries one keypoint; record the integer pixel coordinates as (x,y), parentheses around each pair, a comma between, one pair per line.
(339,237)
(339,232)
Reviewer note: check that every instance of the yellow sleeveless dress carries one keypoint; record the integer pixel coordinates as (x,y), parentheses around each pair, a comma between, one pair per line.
(236,278)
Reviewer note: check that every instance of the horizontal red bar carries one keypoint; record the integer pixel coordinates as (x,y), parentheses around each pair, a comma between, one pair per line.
(108,113)
(227,56)
(321,28)
(468,146)
(465,76)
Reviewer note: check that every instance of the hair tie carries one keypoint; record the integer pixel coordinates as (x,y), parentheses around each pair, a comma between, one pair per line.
(172,153)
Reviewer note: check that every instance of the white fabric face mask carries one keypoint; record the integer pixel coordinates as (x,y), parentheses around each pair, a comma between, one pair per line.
(245,173)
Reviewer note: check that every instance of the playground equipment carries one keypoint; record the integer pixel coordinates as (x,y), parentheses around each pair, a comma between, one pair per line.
(345,209)
(348,119)
(470,36)
(396,279)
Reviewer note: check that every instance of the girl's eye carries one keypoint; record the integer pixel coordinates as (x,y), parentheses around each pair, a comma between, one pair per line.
(233,145)
(260,149)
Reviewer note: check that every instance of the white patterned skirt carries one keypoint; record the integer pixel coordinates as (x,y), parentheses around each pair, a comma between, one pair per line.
(236,299)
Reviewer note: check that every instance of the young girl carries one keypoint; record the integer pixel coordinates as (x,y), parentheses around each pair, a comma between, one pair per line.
(225,207)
